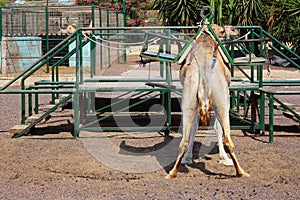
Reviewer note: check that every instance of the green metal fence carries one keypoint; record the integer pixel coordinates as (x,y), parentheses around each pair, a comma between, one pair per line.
(248,97)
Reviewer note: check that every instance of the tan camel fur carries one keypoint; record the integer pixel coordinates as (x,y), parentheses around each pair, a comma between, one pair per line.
(206,88)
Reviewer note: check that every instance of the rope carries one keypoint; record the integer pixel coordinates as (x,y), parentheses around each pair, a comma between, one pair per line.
(154,40)
(100,44)
(244,36)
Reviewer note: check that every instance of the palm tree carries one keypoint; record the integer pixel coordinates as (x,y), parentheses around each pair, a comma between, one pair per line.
(229,8)
(187,12)
(177,12)
(217,7)
(249,12)
(284,22)
(271,15)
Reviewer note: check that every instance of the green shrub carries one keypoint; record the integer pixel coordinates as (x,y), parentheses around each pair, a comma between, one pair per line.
(2,3)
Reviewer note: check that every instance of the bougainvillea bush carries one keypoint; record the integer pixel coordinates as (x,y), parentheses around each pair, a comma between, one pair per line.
(136,10)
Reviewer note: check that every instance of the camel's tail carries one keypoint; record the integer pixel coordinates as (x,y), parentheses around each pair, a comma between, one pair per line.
(205,114)
(205,103)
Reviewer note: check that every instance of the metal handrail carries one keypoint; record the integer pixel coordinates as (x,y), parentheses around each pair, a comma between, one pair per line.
(284,47)
(35,66)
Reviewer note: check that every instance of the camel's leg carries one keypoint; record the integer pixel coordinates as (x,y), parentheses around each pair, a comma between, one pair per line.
(224,121)
(188,156)
(188,119)
(224,159)
(189,112)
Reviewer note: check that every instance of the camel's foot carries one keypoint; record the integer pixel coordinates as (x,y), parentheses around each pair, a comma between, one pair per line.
(243,174)
(227,162)
(188,161)
(171,175)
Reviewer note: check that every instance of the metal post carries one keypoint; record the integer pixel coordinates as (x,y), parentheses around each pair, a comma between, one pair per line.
(93,48)
(168,79)
(161,49)
(245,103)
(23,101)
(36,101)
(169,99)
(108,24)
(118,51)
(124,24)
(232,102)
(253,102)
(76,95)
(80,58)
(168,64)
(271,117)
(47,34)
(57,80)
(232,55)
(124,12)
(29,104)
(262,112)
(238,101)
(101,49)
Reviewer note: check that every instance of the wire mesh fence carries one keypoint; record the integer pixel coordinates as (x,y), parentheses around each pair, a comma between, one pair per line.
(27,33)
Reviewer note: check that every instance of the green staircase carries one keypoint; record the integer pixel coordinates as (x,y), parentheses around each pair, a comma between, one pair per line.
(61,91)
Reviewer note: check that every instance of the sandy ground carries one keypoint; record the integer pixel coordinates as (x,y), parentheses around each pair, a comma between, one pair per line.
(48,164)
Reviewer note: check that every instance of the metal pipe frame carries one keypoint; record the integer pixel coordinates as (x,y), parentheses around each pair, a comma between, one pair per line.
(78,88)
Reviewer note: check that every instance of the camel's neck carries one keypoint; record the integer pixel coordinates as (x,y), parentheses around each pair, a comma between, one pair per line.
(206,46)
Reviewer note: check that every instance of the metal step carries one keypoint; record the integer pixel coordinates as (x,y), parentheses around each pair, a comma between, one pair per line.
(45,108)
(20,130)
(33,118)
(279,107)
(292,116)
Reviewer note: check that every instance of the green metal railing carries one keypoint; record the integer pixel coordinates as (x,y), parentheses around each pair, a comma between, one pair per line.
(247,101)
(258,35)
(285,48)
(81,97)
(35,67)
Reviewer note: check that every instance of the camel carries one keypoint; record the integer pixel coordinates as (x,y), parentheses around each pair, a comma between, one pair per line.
(205,79)
(71,28)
